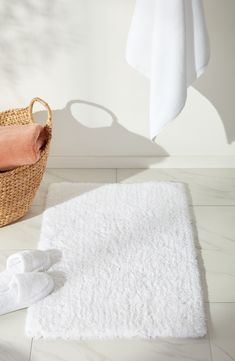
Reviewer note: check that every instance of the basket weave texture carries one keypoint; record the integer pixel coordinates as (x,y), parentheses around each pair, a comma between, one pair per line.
(19,186)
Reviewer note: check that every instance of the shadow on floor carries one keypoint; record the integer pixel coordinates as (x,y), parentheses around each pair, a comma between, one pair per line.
(201,265)
(7,353)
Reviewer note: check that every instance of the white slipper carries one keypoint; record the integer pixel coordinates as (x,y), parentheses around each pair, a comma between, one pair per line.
(28,261)
(24,290)
(32,261)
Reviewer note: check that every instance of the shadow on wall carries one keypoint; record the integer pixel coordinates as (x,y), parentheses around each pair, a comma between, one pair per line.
(32,32)
(217,84)
(73,138)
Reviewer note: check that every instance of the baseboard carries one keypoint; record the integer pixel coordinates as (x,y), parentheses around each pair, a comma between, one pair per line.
(143,162)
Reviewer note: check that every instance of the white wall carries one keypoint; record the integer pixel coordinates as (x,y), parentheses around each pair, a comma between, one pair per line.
(66,51)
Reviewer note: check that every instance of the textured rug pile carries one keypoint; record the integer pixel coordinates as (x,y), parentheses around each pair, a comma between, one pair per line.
(128,260)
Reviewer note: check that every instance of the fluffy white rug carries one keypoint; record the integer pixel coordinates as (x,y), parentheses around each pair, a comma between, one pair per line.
(129,259)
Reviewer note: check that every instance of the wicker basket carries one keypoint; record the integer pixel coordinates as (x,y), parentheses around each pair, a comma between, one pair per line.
(18,186)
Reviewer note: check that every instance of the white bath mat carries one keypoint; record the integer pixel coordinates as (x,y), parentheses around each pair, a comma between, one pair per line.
(129,259)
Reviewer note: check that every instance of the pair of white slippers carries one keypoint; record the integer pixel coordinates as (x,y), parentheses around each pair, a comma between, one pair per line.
(24,281)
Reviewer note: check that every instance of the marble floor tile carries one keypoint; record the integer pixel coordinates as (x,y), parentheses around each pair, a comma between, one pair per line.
(207,186)
(222,331)
(216,226)
(216,234)
(23,234)
(73,175)
(213,194)
(14,346)
(220,276)
(125,350)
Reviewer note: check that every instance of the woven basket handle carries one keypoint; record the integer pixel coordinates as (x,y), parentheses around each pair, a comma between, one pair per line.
(49,112)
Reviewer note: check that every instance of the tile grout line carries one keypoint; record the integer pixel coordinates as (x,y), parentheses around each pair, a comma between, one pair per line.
(15,249)
(31,347)
(218,302)
(191,204)
(208,323)
(210,346)
(212,205)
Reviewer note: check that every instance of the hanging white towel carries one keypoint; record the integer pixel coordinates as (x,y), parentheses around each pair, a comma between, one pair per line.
(168,43)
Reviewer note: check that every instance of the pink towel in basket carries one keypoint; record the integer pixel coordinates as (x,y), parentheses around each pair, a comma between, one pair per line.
(21,145)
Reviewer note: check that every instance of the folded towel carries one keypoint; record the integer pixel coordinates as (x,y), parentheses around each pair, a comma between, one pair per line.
(21,145)
(168,43)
